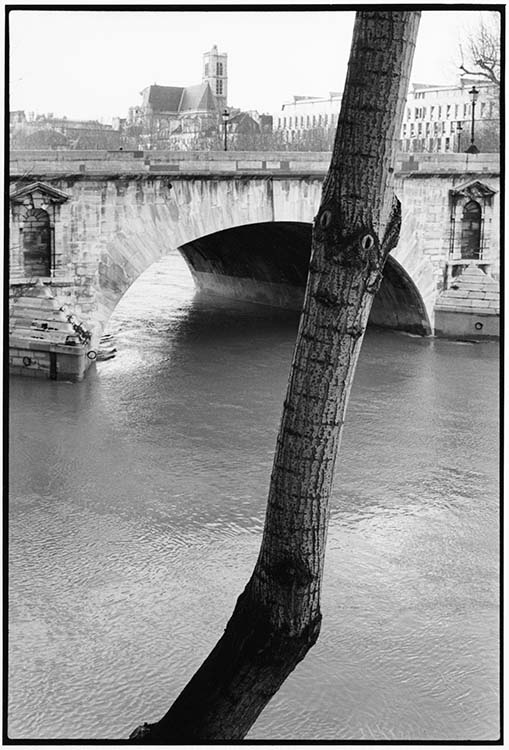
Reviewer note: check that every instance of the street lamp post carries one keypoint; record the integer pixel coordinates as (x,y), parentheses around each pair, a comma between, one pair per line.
(225,115)
(459,129)
(472,149)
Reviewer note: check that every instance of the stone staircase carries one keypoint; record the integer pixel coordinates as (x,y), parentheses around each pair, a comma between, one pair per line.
(45,340)
(470,307)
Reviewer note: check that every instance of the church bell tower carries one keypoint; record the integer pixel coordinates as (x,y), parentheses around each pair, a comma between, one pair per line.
(215,72)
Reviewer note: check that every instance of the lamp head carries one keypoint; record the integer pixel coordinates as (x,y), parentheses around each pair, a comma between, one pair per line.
(474,93)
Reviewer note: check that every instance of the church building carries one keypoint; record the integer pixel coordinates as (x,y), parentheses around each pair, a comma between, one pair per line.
(180,113)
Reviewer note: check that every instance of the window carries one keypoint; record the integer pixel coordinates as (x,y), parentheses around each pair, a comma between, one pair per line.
(448,111)
(456,111)
(219,69)
(428,128)
(307,121)
(408,113)
(206,70)
(440,113)
(471,230)
(465,110)
(404,130)
(431,112)
(419,128)
(219,88)
(416,112)
(483,109)
(447,144)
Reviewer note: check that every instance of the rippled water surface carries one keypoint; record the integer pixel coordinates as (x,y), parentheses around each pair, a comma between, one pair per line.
(136,507)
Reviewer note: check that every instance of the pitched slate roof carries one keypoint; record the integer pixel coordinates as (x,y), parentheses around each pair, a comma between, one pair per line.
(244,122)
(165,98)
(178,99)
(198,97)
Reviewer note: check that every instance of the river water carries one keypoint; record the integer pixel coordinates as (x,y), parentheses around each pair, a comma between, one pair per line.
(136,508)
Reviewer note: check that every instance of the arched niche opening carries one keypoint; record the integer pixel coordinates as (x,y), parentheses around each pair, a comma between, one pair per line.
(35,234)
(471,230)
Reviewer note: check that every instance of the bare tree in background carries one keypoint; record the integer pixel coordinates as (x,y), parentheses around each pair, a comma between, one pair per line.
(480,56)
(277,618)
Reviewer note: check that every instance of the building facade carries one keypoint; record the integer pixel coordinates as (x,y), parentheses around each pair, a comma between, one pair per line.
(439,118)
(436,119)
(307,113)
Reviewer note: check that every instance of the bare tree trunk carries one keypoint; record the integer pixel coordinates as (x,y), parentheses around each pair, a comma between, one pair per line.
(277,618)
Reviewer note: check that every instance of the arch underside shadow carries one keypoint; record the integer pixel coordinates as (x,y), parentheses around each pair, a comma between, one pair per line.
(267,263)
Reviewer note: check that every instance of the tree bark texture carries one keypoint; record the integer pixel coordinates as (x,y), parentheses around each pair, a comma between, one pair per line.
(277,617)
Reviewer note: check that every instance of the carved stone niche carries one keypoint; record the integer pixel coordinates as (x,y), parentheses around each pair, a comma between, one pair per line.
(473,190)
(470,223)
(35,209)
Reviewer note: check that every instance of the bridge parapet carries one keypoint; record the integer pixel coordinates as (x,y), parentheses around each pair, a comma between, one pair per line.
(115,163)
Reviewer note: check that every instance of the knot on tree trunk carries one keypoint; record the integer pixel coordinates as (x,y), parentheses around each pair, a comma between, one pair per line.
(290,572)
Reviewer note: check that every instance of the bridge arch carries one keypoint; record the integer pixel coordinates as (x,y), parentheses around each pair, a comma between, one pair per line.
(267,263)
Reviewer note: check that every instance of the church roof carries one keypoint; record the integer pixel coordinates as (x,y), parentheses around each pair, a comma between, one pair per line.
(198,97)
(165,98)
(179,99)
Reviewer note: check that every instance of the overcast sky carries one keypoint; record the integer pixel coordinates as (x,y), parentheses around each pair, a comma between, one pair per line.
(90,64)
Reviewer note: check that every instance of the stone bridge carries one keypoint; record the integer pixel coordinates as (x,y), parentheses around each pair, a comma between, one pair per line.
(89,223)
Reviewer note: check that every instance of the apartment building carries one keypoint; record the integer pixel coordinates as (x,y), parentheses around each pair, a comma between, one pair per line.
(307,113)
(436,118)
(439,118)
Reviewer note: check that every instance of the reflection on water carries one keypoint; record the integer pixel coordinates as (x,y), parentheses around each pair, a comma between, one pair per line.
(136,506)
